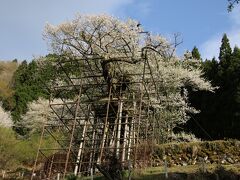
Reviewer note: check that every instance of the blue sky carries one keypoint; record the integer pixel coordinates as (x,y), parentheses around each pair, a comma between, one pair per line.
(200,22)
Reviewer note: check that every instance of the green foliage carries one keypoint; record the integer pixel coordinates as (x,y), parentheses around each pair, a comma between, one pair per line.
(16,152)
(71,177)
(27,148)
(195,53)
(210,68)
(29,83)
(8,149)
(225,57)
(220,111)
(225,49)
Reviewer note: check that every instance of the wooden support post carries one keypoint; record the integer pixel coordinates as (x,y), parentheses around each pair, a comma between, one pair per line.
(105,128)
(130,137)
(120,106)
(92,154)
(73,129)
(80,149)
(39,146)
(50,169)
(58,176)
(125,138)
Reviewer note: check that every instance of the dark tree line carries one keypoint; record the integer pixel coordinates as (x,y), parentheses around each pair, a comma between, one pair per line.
(220,111)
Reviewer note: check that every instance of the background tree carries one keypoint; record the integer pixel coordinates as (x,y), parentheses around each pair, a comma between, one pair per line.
(219,115)
(39,114)
(28,84)
(195,53)
(224,56)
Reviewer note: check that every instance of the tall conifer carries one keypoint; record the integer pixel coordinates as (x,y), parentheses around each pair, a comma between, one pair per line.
(195,53)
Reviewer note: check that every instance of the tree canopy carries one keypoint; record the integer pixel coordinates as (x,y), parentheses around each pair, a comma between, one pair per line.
(195,53)
(114,41)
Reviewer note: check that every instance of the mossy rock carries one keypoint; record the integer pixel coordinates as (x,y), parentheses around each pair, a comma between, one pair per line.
(214,150)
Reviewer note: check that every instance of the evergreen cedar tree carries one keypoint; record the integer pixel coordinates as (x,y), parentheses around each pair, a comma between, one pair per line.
(220,111)
(28,84)
(195,53)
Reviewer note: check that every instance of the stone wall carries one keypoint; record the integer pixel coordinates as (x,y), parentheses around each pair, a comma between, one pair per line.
(183,154)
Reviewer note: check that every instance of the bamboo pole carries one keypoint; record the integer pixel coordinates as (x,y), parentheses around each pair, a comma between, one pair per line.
(129,141)
(124,138)
(140,108)
(153,139)
(50,169)
(39,146)
(80,150)
(83,142)
(92,152)
(120,106)
(73,129)
(105,128)
(112,141)
(131,133)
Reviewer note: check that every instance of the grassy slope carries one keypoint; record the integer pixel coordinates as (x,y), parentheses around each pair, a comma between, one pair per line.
(182,171)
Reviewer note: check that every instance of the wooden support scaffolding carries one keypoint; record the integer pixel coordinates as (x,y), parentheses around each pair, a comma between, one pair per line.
(97,116)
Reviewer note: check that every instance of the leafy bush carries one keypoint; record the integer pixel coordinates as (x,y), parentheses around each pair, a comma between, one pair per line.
(8,149)
(16,152)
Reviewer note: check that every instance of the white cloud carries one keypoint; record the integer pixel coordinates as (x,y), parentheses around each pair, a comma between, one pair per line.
(210,48)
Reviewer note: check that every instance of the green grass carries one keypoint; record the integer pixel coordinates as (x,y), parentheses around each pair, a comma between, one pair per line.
(182,172)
